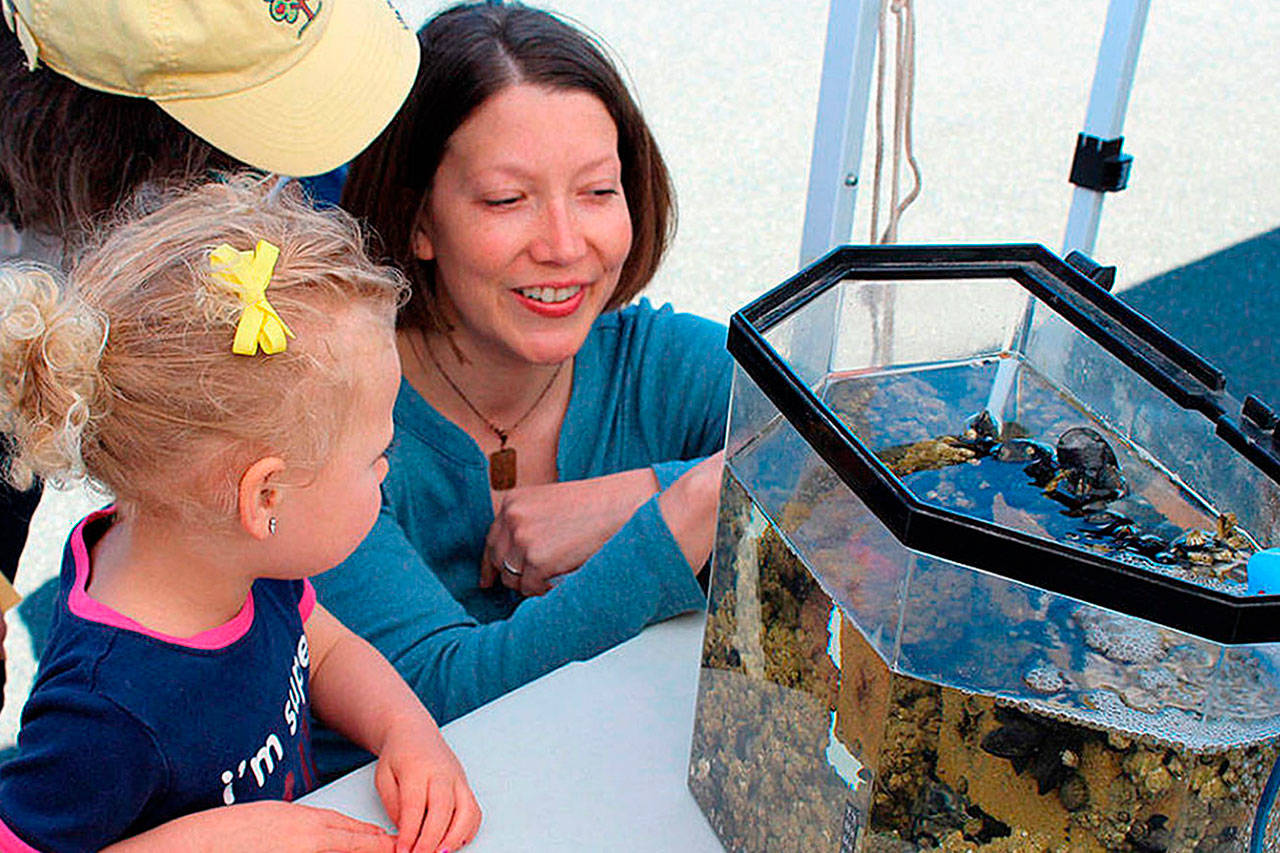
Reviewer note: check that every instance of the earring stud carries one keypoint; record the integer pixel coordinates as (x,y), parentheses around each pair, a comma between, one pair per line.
(271,525)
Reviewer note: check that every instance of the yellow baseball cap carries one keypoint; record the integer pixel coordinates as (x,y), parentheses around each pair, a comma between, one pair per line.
(292,86)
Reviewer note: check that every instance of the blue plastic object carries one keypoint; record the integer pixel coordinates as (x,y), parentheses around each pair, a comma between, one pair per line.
(1264,572)
(1258,842)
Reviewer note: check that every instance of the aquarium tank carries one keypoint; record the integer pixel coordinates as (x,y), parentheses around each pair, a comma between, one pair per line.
(990,571)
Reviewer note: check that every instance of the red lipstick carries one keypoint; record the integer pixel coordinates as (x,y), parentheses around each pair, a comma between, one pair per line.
(552,309)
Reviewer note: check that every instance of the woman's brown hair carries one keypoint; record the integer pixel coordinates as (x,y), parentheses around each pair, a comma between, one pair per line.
(470,53)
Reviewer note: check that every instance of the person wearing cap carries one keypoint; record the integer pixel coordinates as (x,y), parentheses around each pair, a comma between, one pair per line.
(170,91)
(69,154)
(294,87)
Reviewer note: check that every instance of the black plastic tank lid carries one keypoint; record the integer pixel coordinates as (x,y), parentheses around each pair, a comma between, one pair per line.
(1164,362)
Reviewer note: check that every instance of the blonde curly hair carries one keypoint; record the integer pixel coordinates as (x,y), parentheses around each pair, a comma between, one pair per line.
(124,373)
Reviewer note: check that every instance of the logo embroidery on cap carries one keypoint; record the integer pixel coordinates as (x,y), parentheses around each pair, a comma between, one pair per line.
(396,12)
(288,12)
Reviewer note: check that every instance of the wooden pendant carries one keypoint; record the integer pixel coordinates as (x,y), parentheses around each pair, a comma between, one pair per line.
(502,469)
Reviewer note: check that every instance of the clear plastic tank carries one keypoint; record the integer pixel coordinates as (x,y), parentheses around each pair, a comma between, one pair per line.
(980,579)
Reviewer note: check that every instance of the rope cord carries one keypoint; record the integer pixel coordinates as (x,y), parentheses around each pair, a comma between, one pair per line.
(903,101)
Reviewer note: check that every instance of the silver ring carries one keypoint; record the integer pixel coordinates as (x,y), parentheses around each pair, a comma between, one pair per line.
(510,569)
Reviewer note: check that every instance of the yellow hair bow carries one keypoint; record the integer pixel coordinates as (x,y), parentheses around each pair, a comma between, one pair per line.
(249,275)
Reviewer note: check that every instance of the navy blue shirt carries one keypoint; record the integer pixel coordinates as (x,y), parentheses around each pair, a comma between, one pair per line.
(127,729)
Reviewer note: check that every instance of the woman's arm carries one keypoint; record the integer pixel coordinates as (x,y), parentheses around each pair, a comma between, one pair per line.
(640,574)
(420,781)
(387,594)
(689,509)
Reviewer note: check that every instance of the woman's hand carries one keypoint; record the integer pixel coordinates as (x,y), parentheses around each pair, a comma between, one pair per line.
(545,531)
(424,789)
(689,509)
(242,828)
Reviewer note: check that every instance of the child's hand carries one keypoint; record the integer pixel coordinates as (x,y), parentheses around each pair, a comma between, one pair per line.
(424,789)
(419,779)
(244,827)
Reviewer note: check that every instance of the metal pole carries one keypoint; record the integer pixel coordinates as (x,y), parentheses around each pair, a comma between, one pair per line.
(847,74)
(1104,119)
(1108,101)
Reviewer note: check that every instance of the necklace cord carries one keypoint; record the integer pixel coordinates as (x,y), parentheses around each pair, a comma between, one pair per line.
(502,434)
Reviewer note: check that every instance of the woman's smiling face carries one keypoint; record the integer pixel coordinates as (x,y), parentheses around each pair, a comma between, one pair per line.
(527,223)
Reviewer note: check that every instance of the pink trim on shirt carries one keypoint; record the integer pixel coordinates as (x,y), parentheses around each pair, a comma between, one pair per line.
(307,603)
(95,611)
(10,843)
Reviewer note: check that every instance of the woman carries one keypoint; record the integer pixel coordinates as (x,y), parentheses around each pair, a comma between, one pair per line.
(549,440)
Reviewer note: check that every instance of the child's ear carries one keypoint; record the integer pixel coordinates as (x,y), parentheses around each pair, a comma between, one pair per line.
(258,498)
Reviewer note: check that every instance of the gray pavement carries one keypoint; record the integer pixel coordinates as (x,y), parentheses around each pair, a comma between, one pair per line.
(731,89)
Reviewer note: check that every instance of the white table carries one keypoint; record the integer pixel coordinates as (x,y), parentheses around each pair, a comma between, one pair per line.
(591,757)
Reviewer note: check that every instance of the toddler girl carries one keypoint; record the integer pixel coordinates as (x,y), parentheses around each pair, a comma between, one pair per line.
(225,366)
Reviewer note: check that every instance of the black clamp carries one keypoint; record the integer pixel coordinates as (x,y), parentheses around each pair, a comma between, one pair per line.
(1104,277)
(1260,415)
(1099,164)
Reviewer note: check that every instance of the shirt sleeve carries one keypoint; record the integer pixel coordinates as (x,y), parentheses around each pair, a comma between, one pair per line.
(683,374)
(670,471)
(388,595)
(684,378)
(84,773)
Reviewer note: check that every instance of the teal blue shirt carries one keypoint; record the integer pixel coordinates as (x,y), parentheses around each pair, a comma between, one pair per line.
(650,389)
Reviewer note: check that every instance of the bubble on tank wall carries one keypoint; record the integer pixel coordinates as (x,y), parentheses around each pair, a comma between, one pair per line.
(1119,638)
(1046,679)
